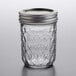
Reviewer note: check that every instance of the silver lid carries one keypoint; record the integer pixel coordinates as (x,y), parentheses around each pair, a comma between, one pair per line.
(37,16)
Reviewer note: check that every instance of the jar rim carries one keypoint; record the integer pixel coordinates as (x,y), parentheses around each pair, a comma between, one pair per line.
(37,15)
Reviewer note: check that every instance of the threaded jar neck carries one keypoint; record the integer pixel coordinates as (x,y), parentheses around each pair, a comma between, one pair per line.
(37,16)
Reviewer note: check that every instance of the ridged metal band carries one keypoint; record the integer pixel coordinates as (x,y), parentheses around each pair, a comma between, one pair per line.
(26,18)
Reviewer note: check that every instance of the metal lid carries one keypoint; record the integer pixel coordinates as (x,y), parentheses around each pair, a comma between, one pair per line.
(37,16)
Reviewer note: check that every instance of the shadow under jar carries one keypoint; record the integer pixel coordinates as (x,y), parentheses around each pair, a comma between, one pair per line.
(38,37)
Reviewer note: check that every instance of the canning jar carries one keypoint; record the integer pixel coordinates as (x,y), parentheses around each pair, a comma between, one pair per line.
(38,36)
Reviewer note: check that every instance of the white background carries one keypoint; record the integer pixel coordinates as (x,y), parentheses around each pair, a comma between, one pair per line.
(66,32)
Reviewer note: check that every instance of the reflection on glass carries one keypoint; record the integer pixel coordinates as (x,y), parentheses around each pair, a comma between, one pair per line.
(38,72)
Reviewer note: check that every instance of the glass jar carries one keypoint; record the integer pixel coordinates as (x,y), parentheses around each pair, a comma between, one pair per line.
(38,37)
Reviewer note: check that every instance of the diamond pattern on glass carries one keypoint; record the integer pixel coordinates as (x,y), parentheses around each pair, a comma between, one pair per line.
(38,44)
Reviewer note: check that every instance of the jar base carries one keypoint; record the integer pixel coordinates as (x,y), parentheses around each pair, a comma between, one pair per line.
(38,66)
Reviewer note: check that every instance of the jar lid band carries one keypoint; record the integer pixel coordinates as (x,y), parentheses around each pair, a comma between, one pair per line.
(37,16)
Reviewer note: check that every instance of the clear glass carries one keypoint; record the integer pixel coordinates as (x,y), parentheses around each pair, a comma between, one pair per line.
(38,45)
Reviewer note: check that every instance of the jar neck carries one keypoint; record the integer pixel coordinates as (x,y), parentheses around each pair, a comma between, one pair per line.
(38,16)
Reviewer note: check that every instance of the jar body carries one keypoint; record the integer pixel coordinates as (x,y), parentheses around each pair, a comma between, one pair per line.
(38,43)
